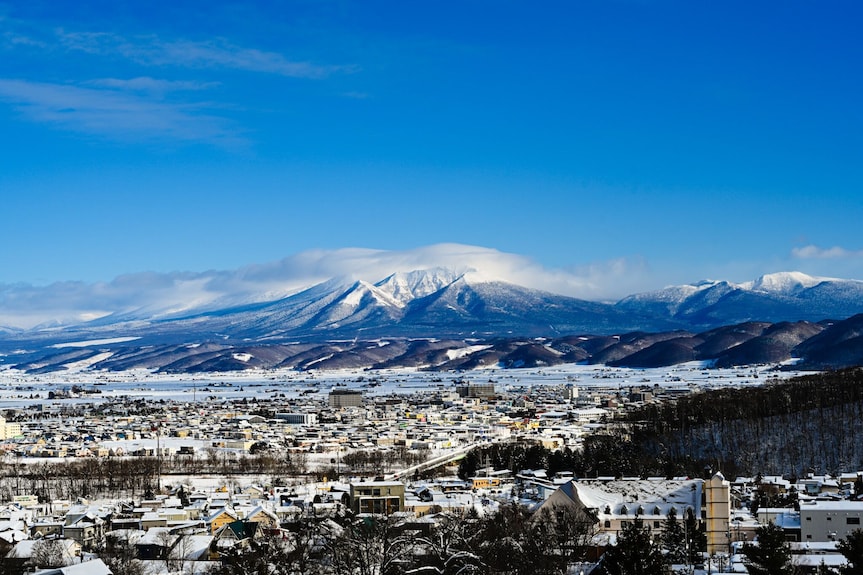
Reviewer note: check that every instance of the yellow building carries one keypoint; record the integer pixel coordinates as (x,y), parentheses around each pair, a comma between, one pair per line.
(219,519)
(485,482)
(717,494)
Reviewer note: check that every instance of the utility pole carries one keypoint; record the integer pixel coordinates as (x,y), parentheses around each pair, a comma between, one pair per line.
(158,457)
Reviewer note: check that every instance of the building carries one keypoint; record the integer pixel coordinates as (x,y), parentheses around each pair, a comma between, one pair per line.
(379,497)
(9,429)
(299,418)
(345,398)
(479,390)
(829,520)
(612,503)
(717,496)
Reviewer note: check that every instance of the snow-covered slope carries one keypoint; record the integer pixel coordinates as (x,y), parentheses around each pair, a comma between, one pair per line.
(784,296)
(784,283)
(437,302)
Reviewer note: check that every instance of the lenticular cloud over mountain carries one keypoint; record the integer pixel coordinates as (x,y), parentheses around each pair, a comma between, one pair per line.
(163,294)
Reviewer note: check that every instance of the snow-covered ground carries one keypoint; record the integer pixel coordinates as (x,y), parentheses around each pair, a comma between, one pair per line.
(18,389)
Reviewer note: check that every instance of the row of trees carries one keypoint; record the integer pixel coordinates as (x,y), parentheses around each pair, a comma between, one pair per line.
(511,540)
(131,477)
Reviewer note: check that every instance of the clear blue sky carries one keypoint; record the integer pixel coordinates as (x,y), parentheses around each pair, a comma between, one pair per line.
(687,139)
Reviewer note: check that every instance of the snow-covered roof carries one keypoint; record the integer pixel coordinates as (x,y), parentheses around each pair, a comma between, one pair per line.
(645,497)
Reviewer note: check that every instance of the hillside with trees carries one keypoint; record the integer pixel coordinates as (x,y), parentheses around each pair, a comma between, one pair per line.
(785,428)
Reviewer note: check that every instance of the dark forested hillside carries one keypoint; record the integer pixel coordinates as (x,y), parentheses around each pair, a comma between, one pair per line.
(811,422)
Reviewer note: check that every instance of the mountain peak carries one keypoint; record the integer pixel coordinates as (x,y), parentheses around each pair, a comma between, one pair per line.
(783,282)
(406,286)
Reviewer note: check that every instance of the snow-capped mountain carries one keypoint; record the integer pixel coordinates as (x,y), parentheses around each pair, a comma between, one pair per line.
(785,296)
(440,303)
(405,287)
(784,283)
(437,318)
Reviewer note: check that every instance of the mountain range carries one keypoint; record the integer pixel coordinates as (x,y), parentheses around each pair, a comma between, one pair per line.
(437,318)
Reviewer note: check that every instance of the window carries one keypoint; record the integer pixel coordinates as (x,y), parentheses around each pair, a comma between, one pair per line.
(808,518)
(608,524)
(852,521)
(656,524)
(809,537)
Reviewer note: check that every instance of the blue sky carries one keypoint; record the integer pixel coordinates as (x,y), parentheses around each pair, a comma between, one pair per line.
(635,144)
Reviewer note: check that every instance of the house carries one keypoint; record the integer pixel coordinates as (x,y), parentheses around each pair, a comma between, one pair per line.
(39,553)
(219,519)
(237,534)
(383,497)
(94,567)
(88,533)
(262,515)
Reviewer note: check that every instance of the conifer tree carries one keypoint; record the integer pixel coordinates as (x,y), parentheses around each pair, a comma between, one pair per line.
(635,553)
(674,538)
(771,555)
(852,548)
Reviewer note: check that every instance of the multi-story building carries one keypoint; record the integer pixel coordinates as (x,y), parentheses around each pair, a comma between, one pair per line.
(9,429)
(381,497)
(717,495)
(345,398)
(829,520)
(298,418)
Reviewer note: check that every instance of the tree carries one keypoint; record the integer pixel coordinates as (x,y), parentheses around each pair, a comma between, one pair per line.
(674,538)
(635,552)
(448,549)
(771,555)
(501,541)
(696,537)
(370,545)
(120,555)
(50,554)
(852,548)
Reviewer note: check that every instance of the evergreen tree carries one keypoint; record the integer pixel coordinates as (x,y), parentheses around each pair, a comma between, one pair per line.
(674,538)
(696,537)
(852,548)
(635,553)
(771,555)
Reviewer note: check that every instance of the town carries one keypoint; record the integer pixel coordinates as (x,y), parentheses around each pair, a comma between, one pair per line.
(110,472)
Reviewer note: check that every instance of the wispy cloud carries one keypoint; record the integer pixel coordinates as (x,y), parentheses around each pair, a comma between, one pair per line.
(812,252)
(160,294)
(151,85)
(116,114)
(217,53)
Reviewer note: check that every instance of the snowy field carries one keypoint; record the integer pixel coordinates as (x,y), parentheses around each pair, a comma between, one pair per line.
(18,389)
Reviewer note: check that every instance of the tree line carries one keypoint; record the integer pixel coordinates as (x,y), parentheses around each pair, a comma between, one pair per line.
(810,423)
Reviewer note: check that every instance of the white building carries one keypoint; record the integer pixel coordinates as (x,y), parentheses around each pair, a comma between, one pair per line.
(829,520)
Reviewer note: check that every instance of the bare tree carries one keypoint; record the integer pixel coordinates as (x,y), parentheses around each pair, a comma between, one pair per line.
(50,554)
(371,545)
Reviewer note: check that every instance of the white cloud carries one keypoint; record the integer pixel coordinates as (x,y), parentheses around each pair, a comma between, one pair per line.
(151,85)
(215,53)
(815,252)
(159,294)
(116,114)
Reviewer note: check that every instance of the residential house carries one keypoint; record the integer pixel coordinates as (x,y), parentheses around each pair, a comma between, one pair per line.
(384,497)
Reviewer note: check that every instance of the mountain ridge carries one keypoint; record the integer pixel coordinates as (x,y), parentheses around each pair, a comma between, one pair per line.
(679,323)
